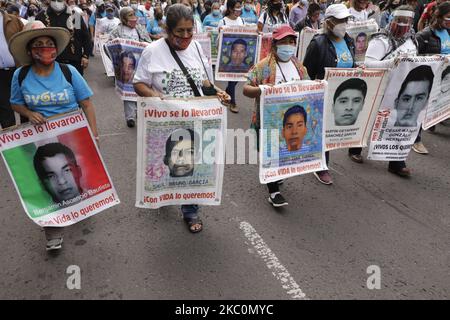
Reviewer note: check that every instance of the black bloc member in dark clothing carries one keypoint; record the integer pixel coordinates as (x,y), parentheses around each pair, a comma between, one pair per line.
(77,51)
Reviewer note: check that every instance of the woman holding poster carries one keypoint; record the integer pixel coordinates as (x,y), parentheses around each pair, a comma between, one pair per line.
(280,66)
(41,80)
(333,48)
(129,29)
(238,50)
(385,48)
(162,72)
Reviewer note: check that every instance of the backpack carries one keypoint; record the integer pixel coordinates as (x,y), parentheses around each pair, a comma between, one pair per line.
(64,68)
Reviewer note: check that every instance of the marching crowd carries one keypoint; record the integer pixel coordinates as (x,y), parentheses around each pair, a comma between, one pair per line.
(45,46)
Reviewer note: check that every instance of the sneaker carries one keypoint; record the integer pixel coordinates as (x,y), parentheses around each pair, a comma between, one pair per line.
(419,148)
(403,172)
(54,244)
(324,177)
(234,108)
(356,158)
(131,123)
(278,200)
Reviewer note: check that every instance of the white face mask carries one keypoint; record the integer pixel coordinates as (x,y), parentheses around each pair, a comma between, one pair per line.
(57,6)
(339,30)
(134,6)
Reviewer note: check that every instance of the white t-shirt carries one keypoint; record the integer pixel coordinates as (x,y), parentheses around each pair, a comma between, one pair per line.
(268,26)
(130,33)
(106,25)
(362,15)
(379,47)
(289,71)
(228,22)
(158,69)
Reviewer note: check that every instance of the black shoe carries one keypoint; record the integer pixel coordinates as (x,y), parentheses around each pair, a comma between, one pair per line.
(278,200)
(131,123)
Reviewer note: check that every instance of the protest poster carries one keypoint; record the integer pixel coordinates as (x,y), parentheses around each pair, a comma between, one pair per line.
(204,40)
(107,63)
(438,109)
(411,84)
(291,134)
(57,170)
(125,55)
(214,39)
(306,35)
(181,150)
(351,103)
(237,52)
(361,32)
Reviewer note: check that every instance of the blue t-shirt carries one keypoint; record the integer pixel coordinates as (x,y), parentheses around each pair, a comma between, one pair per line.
(141,18)
(153,27)
(249,17)
(49,95)
(212,20)
(344,56)
(445,40)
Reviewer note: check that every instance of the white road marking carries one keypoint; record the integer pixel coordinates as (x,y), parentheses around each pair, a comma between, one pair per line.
(273,264)
(112,134)
(234,204)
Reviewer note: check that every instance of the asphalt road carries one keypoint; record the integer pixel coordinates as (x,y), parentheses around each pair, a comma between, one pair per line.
(319,247)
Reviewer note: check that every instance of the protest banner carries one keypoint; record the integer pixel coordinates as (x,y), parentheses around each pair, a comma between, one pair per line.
(214,39)
(306,36)
(125,55)
(411,84)
(237,52)
(352,100)
(291,135)
(57,170)
(361,32)
(181,150)
(438,109)
(204,40)
(107,63)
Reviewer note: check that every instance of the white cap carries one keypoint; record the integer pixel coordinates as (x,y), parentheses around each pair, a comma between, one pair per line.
(338,11)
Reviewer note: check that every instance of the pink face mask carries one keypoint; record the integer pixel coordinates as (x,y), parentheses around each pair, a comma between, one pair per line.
(132,23)
(182,43)
(45,55)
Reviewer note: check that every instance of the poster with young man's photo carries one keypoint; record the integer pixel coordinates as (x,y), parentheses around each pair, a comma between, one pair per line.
(57,170)
(237,53)
(361,32)
(412,82)
(125,55)
(351,103)
(181,150)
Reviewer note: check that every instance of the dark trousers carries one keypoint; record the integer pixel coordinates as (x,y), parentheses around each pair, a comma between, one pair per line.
(7,118)
(231,90)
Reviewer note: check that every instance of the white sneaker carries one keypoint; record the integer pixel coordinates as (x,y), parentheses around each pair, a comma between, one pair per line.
(419,148)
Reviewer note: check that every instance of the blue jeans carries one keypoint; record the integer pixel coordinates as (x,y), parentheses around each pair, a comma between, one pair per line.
(189,211)
(231,89)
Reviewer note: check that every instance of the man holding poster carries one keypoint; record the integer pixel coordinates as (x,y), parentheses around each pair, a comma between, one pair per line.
(37,47)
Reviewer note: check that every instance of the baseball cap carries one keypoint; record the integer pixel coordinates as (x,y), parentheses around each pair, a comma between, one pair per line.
(282,32)
(338,11)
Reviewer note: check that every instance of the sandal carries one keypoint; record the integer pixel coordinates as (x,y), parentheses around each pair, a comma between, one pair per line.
(193,223)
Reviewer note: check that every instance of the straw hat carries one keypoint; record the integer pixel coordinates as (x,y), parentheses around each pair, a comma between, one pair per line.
(18,42)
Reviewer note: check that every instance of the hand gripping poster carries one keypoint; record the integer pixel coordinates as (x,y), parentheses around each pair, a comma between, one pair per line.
(125,55)
(292,130)
(306,35)
(351,103)
(411,84)
(439,107)
(181,150)
(361,32)
(57,170)
(237,52)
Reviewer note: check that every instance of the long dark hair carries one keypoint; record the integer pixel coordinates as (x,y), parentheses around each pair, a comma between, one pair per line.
(281,16)
(230,6)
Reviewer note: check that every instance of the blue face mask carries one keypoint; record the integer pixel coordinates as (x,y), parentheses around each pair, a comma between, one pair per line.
(110,15)
(285,52)
(216,13)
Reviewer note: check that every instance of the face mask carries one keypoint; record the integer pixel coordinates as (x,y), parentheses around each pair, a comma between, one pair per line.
(57,6)
(339,30)
(45,55)
(285,52)
(132,23)
(134,6)
(110,15)
(216,13)
(398,30)
(248,7)
(182,43)
(147,6)
(237,12)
